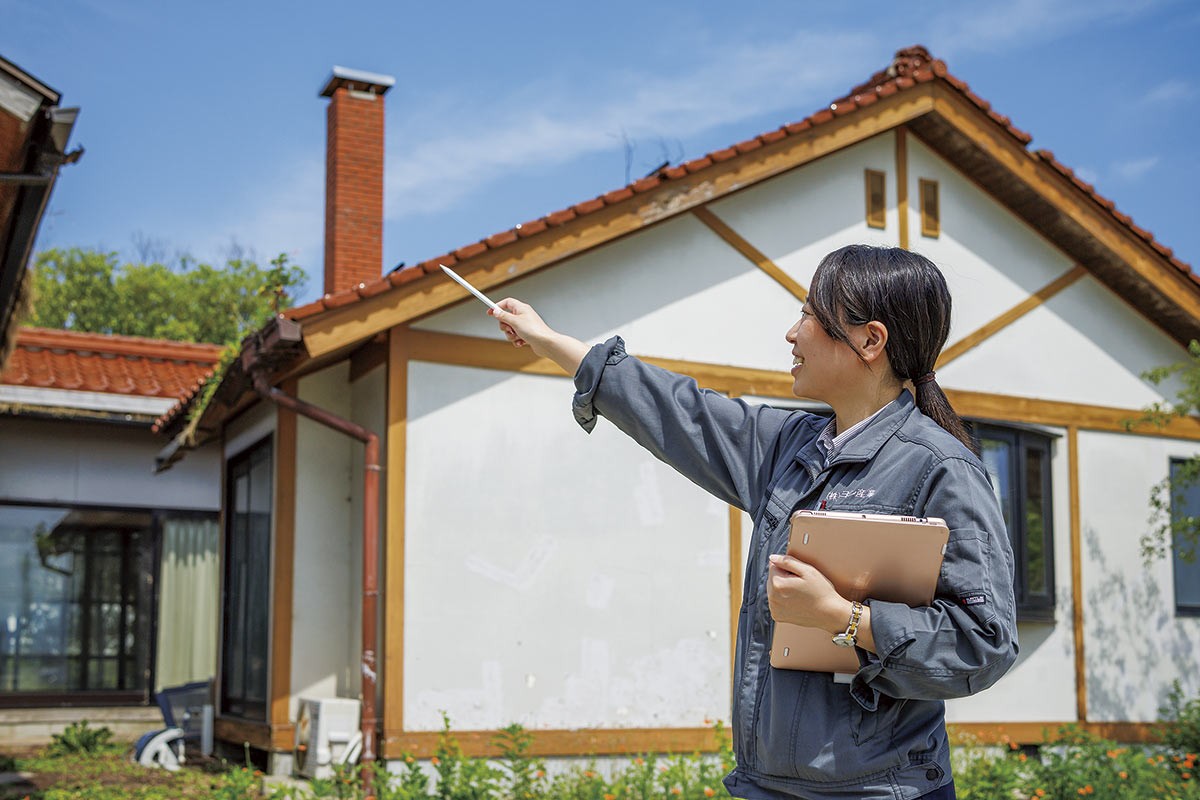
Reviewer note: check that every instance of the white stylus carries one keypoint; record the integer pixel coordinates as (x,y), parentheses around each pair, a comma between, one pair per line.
(470,288)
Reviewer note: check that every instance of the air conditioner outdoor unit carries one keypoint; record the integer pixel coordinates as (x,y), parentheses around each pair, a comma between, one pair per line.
(326,734)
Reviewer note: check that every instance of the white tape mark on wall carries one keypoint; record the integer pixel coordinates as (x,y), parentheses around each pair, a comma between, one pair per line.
(521,576)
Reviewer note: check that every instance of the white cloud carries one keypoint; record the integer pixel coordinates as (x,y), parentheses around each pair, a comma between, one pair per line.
(1133,169)
(1168,92)
(555,124)
(975,27)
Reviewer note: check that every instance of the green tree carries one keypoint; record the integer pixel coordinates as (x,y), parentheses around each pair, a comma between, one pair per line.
(1168,527)
(86,290)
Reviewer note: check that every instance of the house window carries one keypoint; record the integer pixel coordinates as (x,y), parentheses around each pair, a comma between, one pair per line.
(76,603)
(1018,461)
(876,199)
(246,597)
(931,218)
(1185,555)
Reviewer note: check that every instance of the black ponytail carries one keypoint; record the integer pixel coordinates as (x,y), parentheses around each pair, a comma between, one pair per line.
(908,294)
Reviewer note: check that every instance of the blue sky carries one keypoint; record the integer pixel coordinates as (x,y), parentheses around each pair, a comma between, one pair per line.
(205,134)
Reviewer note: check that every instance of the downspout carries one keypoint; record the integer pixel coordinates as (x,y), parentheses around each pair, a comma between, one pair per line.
(370,576)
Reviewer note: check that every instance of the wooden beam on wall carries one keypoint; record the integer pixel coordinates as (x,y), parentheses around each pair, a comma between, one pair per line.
(735,585)
(1022,733)
(549,743)
(991,328)
(393,558)
(473,351)
(1081,703)
(283,563)
(751,253)
(901,134)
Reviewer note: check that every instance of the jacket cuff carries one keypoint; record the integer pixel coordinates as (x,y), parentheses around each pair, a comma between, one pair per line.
(889,626)
(587,379)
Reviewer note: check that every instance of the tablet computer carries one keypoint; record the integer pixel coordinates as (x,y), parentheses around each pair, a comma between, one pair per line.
(876,556)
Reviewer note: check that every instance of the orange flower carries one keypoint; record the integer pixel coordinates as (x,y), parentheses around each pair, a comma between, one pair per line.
(1039,792)
(435,761)
(610,796)
(676,790)
(1187,776)
(1022,758)
(709,791)
(408,759)
(589,774)
(1014,746)
(1123,775)
(639,761)
(539,774)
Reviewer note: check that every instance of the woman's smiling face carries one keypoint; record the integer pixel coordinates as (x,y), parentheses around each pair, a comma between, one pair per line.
(819,362)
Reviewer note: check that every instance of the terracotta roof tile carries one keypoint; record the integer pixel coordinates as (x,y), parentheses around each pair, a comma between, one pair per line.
(500,239)
(561,217)
(93,362)
(463,253)
(647,183)
(532,227)
(617,195)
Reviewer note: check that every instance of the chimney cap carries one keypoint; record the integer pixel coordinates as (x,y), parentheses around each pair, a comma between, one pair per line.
(358,80)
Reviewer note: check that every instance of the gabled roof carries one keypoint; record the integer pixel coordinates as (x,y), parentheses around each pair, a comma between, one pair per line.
(909,69)
(97,372)
(916,92)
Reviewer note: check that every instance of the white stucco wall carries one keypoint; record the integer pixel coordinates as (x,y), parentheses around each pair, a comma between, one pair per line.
(553,579)
(52,462)
(323,658)
(1134,643)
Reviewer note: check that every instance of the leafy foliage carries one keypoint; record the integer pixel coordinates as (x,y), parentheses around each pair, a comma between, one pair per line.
(1182,718)
(87,290)
(1169,529)
(79,737)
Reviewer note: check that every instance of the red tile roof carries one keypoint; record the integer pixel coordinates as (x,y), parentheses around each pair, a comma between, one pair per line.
(910,67)
(93,362)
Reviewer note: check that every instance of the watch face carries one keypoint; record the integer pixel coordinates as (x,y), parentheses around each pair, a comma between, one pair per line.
(843,640)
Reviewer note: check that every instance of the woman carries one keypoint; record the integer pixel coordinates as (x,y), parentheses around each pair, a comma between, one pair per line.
(874,324)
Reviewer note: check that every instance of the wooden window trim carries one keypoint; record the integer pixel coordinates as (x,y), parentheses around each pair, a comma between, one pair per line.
(875,182)
(929,195)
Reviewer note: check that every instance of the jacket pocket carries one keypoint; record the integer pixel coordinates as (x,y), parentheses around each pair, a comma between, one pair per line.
(964,577)
(809,728)
(866,725)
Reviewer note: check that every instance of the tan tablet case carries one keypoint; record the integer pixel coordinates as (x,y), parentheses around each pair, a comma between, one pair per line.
(865,556)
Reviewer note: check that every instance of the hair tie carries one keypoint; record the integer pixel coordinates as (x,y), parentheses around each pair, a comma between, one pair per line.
(928,377)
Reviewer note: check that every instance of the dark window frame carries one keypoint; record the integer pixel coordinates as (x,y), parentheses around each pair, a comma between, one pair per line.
(236,658)
(1032,606)
(1178,564)
(148,604)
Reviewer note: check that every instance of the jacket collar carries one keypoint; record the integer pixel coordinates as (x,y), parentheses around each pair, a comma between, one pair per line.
(864,445)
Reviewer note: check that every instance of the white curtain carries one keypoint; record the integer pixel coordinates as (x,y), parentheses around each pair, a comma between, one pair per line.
(189,584)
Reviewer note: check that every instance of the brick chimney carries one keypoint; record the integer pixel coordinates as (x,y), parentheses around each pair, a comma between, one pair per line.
(354,177)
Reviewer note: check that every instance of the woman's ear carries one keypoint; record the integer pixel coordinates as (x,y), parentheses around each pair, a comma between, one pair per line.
(875,336)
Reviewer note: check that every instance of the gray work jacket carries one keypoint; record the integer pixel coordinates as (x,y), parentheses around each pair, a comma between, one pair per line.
(797,733)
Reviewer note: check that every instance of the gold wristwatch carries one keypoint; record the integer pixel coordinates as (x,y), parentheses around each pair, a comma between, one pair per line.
(849,638)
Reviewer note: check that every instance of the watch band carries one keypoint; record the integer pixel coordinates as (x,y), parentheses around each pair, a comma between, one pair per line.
(849,638)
